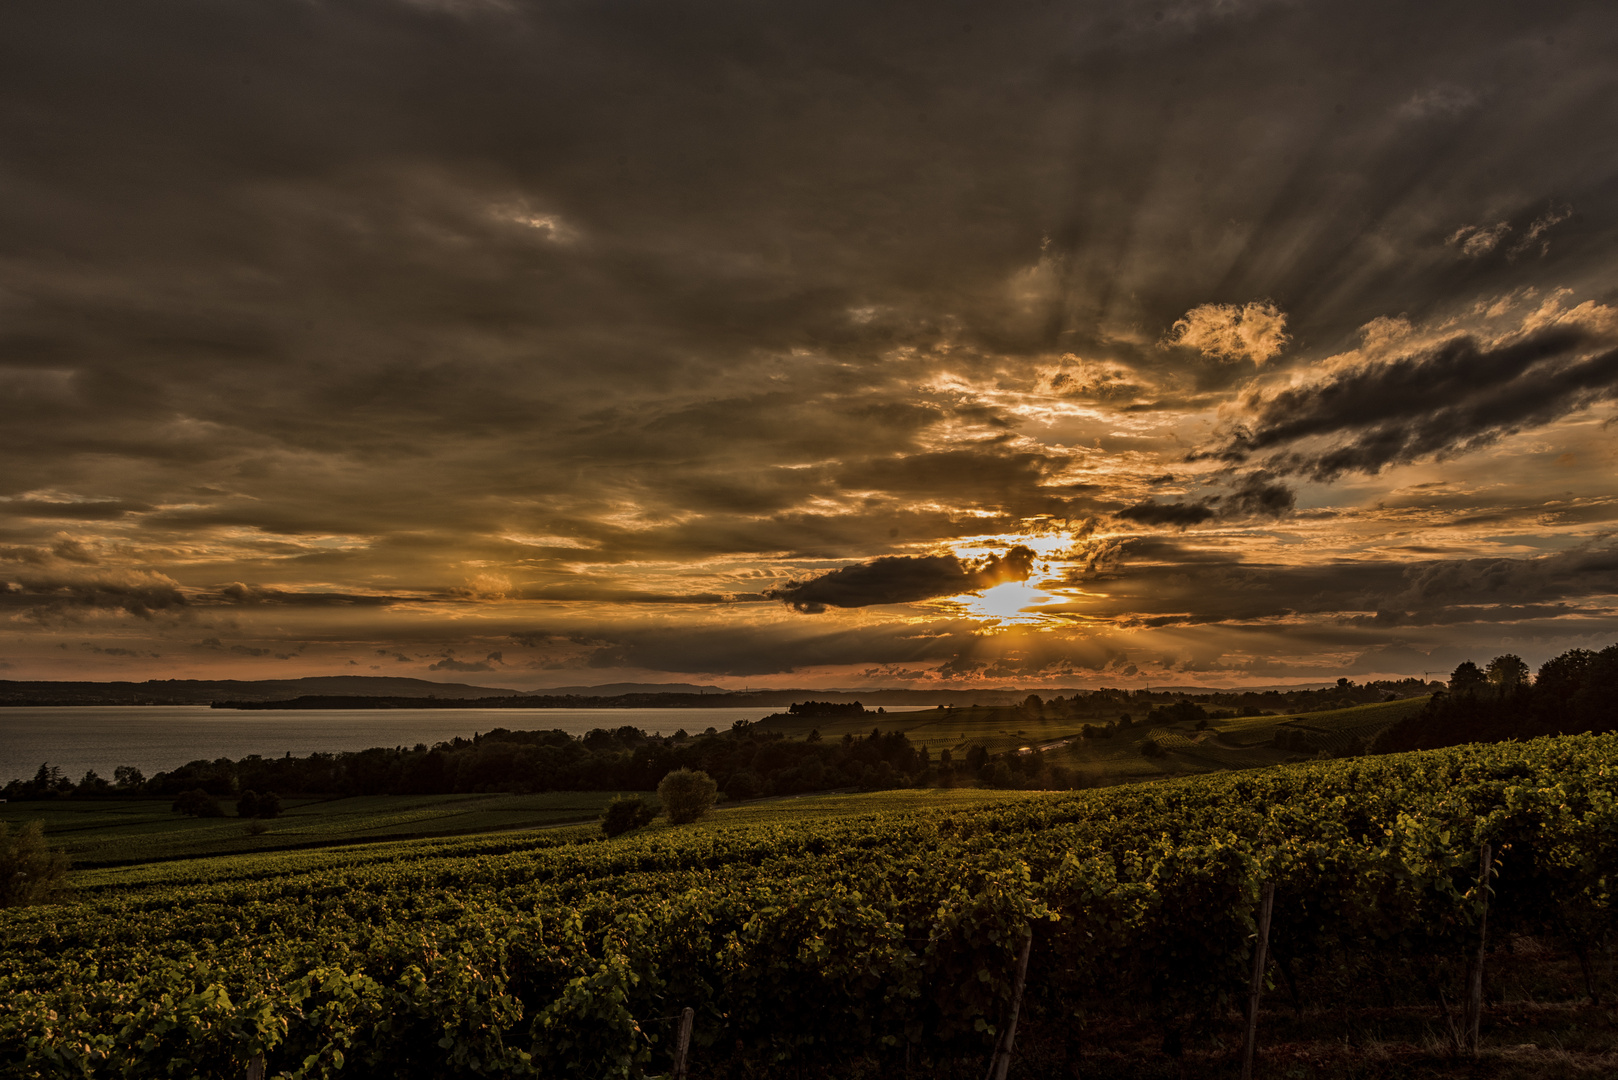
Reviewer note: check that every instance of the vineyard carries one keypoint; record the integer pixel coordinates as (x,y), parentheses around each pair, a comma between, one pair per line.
(887,937)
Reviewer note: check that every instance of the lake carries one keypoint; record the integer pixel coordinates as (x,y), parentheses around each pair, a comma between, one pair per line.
(155,738)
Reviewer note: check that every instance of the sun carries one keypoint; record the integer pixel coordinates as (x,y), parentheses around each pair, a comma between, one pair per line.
(1008,602)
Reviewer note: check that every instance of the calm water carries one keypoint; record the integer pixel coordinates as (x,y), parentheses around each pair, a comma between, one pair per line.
(154,738)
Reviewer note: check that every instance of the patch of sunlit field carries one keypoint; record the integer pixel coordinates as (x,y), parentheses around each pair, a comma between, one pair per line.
(842,805)
(107,832)
(996,728)
(1236,743)
(768,814)
(1357,719)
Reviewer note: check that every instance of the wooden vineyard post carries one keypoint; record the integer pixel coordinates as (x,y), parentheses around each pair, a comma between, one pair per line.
(683,1044)
(1002,1054)
(1474,995)
(1266,905)
(255,1068)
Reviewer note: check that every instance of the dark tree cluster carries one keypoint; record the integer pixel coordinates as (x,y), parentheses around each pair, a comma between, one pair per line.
(1168,706)
(745,763)
(1574,692)
(1015,769)
(826,708)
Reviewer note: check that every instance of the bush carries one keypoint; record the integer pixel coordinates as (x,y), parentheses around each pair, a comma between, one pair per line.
(253,805)
(744,784)
(30,872)
(625,813)
(1150,748)
(686,795)
(257,827)
(197,803)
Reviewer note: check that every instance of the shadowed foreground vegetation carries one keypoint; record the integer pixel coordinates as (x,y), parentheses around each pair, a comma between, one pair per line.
(879,938)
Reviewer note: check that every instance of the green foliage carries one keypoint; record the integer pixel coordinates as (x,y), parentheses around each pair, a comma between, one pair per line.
(197,803)
(626,813)
(1507,671)
(686,795)
(1466,678)
(250,804)
(30,871)
(813,941)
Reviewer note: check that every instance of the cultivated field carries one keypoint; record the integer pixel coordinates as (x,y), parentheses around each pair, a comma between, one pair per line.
(874,935)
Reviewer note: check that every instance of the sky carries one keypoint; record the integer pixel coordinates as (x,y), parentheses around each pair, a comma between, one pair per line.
(1193,342)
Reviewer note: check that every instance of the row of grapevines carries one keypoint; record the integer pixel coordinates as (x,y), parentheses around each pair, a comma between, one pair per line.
(521,956)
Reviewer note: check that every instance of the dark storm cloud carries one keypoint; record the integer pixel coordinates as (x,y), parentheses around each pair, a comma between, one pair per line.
(141,594)
(1181,514)
(1255,495)
(449,663)
(1451,399)
(1156,581)
(88,510)
(1258,495)
(901,579)
(253,595)
(770,650)
(584,592)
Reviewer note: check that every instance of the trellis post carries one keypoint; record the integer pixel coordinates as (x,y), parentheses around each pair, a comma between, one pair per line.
(1474,997)
(1255,990)
(682,1045)
(1002,1055)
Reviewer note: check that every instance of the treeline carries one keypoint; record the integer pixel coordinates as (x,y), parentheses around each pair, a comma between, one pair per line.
(1227,703)
(746,762)
(1572,693)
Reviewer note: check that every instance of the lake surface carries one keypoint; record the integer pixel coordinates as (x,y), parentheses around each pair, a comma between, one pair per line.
(155,738)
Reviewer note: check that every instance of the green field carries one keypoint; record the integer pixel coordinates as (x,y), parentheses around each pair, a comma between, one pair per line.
(1239,743)
(120,835)
(105,832)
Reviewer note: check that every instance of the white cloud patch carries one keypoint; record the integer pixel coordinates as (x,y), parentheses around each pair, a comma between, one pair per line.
(1254,331)
(1476,241)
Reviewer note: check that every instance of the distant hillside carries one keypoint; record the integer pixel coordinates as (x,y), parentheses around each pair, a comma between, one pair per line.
(617,688)
(207,691)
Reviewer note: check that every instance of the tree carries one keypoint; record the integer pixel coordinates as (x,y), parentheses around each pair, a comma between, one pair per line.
(127,778)
(686,794)
(92,784)
(247,804)
(1466,678)
(743,784)
(1508,671)
(197,803)
(30,872)
(625,813)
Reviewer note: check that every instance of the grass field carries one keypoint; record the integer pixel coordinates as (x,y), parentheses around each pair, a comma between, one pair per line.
(1239,743)
(104,833)
(107,840)
(111,832)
